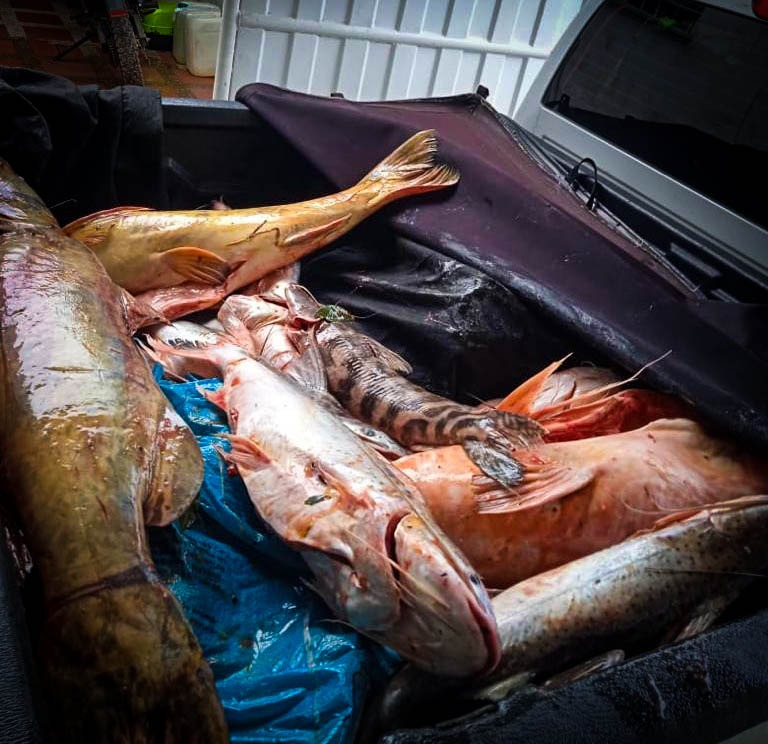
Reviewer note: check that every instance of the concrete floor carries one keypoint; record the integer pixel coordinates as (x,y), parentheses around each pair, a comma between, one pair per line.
(32,32)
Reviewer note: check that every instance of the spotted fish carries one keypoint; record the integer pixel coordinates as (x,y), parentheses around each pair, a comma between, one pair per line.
(370,382)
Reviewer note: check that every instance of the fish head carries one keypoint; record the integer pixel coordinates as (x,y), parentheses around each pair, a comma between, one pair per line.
(184,348)
(252,312)
(184,332)
(447,625)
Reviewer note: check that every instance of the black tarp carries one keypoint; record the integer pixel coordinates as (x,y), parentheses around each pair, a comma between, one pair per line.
(82,149)
(523,228)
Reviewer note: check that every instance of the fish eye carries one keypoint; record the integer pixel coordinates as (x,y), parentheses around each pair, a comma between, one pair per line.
(473,578)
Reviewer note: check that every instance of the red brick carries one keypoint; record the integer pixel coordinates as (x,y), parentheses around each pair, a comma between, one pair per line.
(53,34)
(4,33)
(7,47)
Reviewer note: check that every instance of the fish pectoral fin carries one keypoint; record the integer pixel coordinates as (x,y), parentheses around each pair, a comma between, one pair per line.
(540,484)
(495,463)
(177,472)
(244,452)
(702,618)
(217,397)
(316,232)
(139,314)
(591,666)
(196,264)
(497,691)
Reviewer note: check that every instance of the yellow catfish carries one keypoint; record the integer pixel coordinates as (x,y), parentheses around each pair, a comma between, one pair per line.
(183,261)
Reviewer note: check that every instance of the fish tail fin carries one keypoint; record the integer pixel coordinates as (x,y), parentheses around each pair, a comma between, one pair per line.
(410,169)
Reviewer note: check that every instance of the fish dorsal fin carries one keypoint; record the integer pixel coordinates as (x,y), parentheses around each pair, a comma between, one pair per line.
(302,305)
(593,395)
(196,264)
(177,473)
(543,482)
(523,396)
(103,214)
(316,232)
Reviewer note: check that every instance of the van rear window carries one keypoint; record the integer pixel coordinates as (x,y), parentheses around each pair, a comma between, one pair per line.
(681,85)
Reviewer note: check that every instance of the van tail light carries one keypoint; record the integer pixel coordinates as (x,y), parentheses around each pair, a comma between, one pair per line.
(760,9)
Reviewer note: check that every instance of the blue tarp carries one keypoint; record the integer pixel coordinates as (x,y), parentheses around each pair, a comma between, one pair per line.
(285,670)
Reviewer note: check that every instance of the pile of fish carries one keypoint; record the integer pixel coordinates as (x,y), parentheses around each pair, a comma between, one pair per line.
(600,515)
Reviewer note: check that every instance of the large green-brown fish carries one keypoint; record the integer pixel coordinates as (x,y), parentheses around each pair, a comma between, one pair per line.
(91,451)
(212,253)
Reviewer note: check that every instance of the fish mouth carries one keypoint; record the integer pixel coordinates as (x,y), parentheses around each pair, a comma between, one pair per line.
(490,635)
(390,543)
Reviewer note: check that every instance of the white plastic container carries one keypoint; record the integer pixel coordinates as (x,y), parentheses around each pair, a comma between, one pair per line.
(201,43)
(183,10)
(390,49)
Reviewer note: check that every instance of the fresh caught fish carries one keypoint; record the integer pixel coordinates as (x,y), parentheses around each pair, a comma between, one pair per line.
(181,332)
(151,253)
(260,327)
(578,497)
(556,385)
(377,559)
(369,381)
(618,412)
(585,402)
(667,583)
(91,452)
(567,384)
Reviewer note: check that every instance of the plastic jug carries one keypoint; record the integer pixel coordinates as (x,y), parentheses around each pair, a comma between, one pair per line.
(201,43)
(183,10)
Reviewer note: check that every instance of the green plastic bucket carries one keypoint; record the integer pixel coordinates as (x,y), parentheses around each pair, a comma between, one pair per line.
(160,21)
